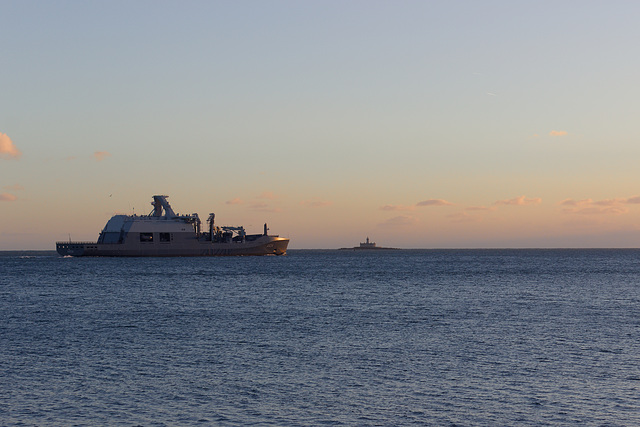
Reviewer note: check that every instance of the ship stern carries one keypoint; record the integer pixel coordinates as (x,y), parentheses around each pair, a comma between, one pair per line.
(74,248)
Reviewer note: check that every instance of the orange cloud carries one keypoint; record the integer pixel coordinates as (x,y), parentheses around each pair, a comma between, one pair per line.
(599,207)
(7,149)
(101,155)
(618,201)
(558,133)
(316,203)
(434,202)
(6,197)
(520,201)
(235,201)
(609,202)
(594,210)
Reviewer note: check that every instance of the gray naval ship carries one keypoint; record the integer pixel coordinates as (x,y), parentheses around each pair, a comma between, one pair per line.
(163,233)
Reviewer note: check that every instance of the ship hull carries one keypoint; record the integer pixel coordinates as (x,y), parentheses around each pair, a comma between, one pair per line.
(265,245)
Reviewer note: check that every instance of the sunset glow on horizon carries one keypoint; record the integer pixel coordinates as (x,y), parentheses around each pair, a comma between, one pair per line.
(416,124)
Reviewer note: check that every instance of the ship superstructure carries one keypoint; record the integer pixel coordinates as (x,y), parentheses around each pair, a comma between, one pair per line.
(165,233)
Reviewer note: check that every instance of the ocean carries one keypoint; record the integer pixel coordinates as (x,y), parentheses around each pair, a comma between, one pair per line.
(344,338)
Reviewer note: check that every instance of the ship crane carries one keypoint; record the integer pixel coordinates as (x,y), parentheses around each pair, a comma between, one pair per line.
(239,230)
(211,222)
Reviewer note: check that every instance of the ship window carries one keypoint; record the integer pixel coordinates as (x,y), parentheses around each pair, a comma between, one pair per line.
(165,237)
(146,237)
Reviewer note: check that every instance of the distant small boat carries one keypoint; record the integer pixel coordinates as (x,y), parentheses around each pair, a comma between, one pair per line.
(367,245)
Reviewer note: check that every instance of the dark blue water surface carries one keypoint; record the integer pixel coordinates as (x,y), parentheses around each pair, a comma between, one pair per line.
(465,338)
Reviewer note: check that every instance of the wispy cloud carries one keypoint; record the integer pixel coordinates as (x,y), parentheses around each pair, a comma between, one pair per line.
(519,201)
(262,204)
(14,187)
(633,200)
(316,203)
(101,155)
(392,208)
(464,217)
(6,197)
(263,207)
(616,206)
(399,221)
(434,202)
(575,203)
(618,201)
(7,148)
(558,133)
(267,195)
(480,208)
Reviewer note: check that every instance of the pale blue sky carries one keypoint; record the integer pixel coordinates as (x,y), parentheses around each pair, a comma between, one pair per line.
(317,115)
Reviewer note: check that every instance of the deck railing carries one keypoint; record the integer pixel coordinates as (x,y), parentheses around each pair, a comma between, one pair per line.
(75,243)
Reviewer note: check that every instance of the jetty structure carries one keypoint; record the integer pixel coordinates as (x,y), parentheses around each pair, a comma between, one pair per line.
(163,233)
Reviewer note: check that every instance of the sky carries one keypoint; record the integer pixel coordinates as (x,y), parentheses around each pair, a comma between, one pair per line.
(418,124)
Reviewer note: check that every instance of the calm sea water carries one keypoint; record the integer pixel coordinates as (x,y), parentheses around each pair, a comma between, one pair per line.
(443,338)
